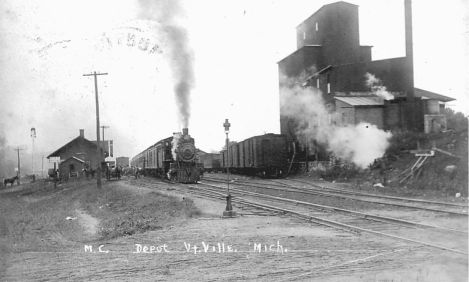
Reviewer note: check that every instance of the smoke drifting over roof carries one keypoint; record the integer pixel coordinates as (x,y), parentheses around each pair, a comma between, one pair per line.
(167,13)
(377,87)
(361,143)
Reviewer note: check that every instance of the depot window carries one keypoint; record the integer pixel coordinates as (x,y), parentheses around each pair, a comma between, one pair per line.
(317,26)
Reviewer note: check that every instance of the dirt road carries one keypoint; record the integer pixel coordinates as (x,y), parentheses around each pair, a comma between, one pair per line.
(202,248)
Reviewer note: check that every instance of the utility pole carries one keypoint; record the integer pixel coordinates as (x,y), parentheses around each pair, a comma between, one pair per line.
(33,135)
(98,141)
(19,169)
(104,140)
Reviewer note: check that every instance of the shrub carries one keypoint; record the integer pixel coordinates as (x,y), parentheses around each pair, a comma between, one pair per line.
(455,120)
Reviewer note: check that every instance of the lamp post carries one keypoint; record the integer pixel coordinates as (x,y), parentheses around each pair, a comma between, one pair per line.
(229,209)
(227,125)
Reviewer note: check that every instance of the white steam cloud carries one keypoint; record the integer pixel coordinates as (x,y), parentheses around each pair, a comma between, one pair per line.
(174,143)
(377,87)
(361,143)
(7,164)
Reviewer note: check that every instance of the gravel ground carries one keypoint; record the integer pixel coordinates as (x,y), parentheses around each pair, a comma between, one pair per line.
(310,252)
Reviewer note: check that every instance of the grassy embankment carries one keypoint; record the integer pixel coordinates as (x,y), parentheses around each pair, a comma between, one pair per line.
(434,174)
(33,216)
(433,178)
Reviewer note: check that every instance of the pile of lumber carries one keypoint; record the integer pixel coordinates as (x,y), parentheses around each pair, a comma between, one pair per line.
(412,171)
(416,168)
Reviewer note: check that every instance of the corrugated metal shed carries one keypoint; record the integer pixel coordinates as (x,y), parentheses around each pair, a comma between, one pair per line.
(362,101)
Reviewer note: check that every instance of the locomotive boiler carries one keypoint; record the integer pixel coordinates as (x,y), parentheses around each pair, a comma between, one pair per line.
(173,158)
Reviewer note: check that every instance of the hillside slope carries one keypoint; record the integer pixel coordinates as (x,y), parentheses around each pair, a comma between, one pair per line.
(445,172)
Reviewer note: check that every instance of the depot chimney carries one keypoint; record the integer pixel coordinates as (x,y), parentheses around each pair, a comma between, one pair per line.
(82,133)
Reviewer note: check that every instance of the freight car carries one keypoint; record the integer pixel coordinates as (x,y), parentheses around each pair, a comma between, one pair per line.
(211,162)
(173,158)
(264,155)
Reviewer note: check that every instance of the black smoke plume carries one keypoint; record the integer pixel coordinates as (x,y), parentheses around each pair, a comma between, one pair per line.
(167,13)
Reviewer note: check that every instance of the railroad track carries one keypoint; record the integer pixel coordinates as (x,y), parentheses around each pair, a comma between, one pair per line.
(346,223)
(351,212)
(325,218)
(404,199)
(281,183)
(418,204)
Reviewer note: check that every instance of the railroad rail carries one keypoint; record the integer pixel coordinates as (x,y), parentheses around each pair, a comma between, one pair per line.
(346,211)
(383,196)
(339,193)
(215,193)
(333,223)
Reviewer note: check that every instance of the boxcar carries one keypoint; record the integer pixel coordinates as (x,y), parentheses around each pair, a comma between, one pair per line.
(211,162)
(264,155)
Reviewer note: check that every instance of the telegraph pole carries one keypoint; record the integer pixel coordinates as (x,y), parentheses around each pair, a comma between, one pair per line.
(33,135)
(98,141)
(19,169)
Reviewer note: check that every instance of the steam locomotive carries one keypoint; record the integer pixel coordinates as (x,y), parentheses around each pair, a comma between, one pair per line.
(173,158)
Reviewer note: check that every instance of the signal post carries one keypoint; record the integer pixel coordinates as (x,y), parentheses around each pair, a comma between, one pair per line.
(229,212)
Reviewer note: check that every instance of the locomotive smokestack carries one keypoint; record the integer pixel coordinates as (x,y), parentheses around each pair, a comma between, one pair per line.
(185,131)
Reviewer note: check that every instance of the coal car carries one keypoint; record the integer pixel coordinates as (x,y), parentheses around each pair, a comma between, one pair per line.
(173,158)
(264,155)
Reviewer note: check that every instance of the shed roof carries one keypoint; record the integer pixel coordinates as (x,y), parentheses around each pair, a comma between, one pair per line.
(424,94)
(361,101)
(365,94)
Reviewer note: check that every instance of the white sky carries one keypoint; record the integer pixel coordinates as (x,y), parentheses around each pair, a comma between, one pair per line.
(46,46)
